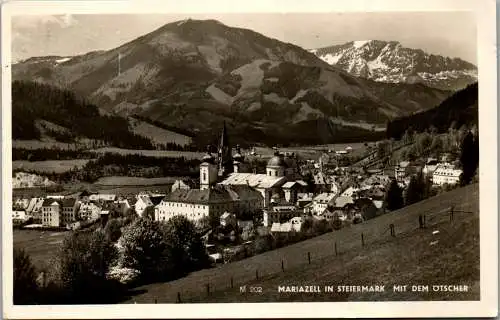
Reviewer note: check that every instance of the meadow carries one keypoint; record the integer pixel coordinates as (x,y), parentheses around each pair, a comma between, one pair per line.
(406,258)
(41,245)
(47,166)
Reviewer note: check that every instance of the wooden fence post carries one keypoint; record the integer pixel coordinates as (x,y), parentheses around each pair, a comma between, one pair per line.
(257,274)
(451,213)
(362,239)
(336,252)
(232,284)
(309,257)
(282,266)
(178,297)
(208,289)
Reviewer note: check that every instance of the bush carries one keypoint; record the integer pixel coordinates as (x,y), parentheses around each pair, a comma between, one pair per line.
(113,229)
(124,275)
(185,246)
(25,287)
(145,249)
(78,274)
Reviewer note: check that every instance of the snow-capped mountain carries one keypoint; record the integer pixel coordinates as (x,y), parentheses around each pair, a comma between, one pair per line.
(385,61)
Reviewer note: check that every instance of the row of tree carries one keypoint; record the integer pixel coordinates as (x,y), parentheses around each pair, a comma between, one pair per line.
(43,154)
(114,164)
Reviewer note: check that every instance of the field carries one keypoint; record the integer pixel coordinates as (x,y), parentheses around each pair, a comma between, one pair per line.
(313,152)
(57,166)
(406,259)
(158,135)
(40,245)
(152,153)
(134,181)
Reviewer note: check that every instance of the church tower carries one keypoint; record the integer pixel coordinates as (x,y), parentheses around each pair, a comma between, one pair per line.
(208,171)
(224,158)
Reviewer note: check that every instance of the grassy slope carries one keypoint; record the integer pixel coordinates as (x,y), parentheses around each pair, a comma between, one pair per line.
(408,258)
(42,246)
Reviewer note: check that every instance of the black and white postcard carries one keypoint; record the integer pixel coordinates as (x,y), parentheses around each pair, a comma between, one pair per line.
(249,159)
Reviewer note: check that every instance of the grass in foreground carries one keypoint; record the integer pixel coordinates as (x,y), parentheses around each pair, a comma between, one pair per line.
(406,259)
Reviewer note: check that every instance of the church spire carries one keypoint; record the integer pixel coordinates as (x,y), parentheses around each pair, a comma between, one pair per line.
(225,159)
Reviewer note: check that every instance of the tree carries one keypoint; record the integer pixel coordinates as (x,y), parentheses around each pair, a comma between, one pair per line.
(423,143)
(383,149)
(149,213)
(145,249)
(469,157)
(186,249)
(413,192)
(113,229)
(394,196)
(84,260)
(436,145)
(25,287)
(130,216)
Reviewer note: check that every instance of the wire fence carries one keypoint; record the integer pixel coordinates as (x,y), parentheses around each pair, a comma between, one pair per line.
(256,268)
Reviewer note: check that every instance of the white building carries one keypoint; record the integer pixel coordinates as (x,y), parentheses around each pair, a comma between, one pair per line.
(102,197)
(146,200)
(51,211)
(322,201)
(196,204)
(446,174)
(89,211)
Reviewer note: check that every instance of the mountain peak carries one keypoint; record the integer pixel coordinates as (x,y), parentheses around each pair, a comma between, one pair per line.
(390,61)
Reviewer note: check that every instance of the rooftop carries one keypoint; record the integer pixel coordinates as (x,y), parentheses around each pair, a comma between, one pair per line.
(253,180)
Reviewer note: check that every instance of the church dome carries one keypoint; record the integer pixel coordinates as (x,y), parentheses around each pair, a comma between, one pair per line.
(208,157)
(276,161)
(238,156)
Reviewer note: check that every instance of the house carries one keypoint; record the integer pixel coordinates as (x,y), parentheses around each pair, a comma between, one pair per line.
(102,197)
(321,183)
(180,184)
(292,189)
(341,202)
(322,201)
(89,211)
(51,213)
(35,209)
(19,216)
(281,227)
(146,200)
(304,199)
(227,219)
(21,203)
(296,223)
(69,208)
(446,174)
(280,214)
(401,170)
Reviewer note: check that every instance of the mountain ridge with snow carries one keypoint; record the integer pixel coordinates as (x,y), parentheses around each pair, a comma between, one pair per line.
(390,61)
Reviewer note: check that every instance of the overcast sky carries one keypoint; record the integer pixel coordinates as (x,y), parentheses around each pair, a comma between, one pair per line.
(451,34)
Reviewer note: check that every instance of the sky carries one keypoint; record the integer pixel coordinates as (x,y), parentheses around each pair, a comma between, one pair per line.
(450,34)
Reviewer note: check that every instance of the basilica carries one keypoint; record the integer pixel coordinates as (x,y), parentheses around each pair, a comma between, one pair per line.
(229,184)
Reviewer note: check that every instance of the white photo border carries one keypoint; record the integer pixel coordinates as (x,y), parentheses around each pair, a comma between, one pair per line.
(486,44)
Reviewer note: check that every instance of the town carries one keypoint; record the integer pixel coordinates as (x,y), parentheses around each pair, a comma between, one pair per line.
(233,201)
